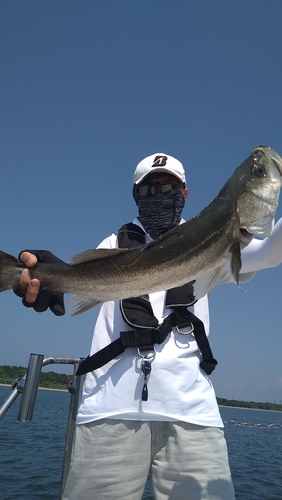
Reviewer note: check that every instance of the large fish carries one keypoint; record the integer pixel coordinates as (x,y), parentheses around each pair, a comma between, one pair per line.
(244,207)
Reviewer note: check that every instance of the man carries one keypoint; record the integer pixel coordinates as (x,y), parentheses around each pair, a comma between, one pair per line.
(154,409)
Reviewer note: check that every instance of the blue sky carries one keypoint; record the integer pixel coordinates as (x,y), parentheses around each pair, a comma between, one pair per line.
(88,89)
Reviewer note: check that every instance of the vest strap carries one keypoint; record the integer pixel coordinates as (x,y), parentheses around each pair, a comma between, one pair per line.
(147,338)
(140,338)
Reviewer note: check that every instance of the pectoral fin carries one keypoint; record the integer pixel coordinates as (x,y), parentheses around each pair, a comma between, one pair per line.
(236,262)
(78,305)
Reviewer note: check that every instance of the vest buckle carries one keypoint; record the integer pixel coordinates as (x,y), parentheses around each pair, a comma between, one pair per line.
(150,350)
(178,329)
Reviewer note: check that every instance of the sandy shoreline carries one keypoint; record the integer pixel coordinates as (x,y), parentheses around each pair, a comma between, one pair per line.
(244,408)
(41,388)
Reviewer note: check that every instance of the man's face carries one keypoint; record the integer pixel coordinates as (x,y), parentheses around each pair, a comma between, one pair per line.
(161,183)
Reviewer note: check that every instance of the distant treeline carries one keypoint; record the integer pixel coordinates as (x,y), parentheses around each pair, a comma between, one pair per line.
(249,404)
(53,380)
(49,380)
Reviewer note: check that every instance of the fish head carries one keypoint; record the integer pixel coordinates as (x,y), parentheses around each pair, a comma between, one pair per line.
(257,204)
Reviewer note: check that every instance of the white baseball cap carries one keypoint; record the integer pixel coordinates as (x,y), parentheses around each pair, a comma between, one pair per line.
(158,162)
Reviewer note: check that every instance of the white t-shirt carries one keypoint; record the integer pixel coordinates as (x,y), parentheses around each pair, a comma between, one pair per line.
(178,389)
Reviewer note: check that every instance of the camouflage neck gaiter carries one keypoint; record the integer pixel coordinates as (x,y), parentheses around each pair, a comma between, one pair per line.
(160,212)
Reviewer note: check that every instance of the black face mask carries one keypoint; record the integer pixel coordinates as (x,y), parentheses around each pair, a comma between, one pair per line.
(160,212)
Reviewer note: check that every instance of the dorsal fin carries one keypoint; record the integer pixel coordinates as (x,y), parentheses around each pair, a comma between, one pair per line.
(93,254)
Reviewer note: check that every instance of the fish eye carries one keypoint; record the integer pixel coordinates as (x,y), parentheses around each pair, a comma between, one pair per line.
(258,171)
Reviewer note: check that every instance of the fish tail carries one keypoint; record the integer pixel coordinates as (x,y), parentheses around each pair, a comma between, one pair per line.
(10,269)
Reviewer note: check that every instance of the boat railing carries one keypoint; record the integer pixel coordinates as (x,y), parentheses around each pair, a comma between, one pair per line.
(27,386)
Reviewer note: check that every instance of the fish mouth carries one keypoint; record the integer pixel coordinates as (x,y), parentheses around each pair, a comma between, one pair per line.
(246,234)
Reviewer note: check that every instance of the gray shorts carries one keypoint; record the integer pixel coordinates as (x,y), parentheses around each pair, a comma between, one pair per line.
(112,458)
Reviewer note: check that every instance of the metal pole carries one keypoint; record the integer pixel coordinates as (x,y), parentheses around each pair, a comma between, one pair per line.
(30,387)
(9,401)
(17,387)
(75,389)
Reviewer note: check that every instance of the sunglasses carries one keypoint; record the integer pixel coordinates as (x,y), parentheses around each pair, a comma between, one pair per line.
(158,188)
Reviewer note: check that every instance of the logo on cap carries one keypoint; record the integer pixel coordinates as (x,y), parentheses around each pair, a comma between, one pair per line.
(159,161)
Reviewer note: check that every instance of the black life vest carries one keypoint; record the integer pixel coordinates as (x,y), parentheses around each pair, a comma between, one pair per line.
(137,312)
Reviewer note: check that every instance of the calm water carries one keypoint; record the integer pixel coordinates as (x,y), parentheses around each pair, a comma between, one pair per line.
(31,454)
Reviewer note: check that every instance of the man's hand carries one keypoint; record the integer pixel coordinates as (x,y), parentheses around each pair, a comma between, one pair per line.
(29,287)
(30,290)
